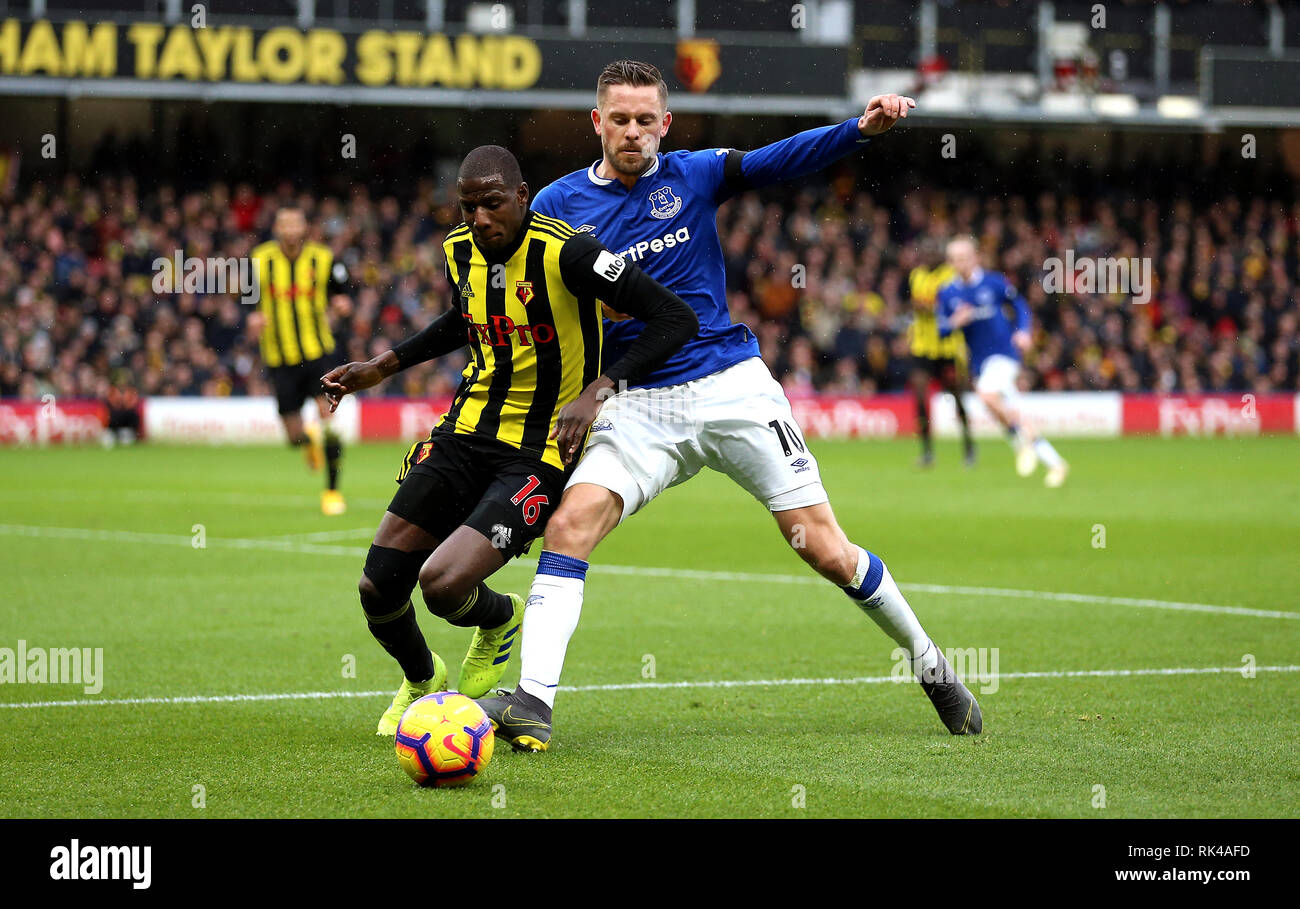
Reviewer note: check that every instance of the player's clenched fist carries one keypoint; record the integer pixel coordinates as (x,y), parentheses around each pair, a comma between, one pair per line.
(882,112)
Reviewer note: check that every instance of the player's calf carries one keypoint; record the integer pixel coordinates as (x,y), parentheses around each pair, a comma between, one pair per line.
(385,592)
(816,536)
(587,513)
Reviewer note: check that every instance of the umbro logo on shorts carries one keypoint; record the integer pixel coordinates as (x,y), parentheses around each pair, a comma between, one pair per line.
(602,425)
(800,464)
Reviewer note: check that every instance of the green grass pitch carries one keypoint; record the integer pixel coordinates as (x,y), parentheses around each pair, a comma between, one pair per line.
(100,549)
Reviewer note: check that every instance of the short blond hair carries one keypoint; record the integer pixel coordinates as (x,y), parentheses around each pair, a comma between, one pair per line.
(630,72)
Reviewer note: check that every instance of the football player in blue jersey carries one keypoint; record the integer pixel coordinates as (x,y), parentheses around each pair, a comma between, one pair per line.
(711,404)
(975,302)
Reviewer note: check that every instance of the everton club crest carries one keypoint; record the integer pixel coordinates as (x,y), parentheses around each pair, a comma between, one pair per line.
(664,203)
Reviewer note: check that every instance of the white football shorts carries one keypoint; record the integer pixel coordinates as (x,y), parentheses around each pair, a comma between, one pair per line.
(998,375)
(736,421)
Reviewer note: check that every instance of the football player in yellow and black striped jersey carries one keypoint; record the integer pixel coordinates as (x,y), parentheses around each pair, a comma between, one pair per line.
(527,296)
(934,358)
(299,284)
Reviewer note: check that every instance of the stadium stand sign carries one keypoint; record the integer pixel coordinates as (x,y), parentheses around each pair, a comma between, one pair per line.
(236,420)
(378,66)
(42,422)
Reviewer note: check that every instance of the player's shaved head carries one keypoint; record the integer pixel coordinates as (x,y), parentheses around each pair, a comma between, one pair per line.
(930,250)
(491,161)
(493,196)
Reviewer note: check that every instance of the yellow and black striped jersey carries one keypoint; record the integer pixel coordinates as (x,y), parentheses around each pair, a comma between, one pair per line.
(294,299)
(534,328)
(923,332)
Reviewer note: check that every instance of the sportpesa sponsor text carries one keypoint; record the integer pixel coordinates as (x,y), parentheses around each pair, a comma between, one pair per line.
(638,251)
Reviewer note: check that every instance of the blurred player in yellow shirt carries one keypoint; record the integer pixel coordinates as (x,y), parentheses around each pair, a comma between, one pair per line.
(934,358)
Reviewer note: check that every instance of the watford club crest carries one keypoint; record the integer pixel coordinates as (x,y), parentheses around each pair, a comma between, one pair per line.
(425,449)
(697,65)
(524,291)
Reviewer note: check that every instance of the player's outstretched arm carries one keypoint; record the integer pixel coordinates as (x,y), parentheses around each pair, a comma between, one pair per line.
(811,150)
(440,337)
(589,269)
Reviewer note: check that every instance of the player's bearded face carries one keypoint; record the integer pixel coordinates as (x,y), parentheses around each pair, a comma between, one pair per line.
(631,120)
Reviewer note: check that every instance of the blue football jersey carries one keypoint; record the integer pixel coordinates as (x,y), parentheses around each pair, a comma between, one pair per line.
(667,224)
(990,331)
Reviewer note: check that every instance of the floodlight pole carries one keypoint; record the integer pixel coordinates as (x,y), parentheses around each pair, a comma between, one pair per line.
(1046,21)
(1161,29)
(685,18)
(435,15)
(927,31)
(577,18)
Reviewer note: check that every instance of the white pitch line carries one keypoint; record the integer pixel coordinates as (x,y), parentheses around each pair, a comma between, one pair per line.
(305,548)
(741,576)
(233,499)
(131,536)
(322,536)
(647,686)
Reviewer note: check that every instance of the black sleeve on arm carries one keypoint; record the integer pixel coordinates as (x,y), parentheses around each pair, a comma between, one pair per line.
(441,336)
(338,279)
(589,269)
(733,179)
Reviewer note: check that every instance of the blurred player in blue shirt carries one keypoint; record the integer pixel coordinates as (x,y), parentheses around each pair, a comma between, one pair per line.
(975,302)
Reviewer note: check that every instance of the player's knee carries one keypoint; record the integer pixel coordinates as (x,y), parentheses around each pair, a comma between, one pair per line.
(388,579)
(444,588)
(368,591)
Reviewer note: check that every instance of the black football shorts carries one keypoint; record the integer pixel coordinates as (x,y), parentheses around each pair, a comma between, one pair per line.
(450,479)
(294,385)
